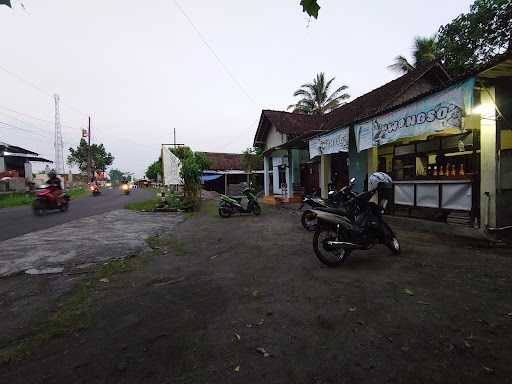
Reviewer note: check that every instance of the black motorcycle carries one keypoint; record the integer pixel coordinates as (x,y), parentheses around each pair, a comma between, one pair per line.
(335,199)
(358,227)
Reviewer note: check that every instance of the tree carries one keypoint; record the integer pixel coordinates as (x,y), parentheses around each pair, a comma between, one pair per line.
(251,160)
(192,167)
(154,170)
(311,7)
(476,37)
(316,97)
(115,175)
(424,51)
(181,151)
(100,158)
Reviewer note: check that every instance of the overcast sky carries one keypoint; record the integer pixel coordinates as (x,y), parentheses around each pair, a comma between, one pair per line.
(140,69)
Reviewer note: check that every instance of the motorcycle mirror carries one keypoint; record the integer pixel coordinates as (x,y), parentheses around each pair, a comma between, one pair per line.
(352,181)
(331,193)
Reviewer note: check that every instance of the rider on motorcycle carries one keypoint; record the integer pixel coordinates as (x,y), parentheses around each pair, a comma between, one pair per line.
(56,185)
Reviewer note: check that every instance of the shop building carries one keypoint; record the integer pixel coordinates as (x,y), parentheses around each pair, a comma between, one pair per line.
(448,149)
(446,142)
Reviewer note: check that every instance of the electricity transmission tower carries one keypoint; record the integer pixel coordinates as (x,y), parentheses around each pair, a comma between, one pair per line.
(57,143)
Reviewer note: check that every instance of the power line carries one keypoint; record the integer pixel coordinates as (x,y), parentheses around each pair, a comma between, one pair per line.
(32,117)
(238,136)
(212,51)
(37,88)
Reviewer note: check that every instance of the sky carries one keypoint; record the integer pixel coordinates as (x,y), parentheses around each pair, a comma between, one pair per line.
(206,68)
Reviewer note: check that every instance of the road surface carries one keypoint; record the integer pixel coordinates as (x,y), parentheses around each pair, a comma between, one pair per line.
(20,220)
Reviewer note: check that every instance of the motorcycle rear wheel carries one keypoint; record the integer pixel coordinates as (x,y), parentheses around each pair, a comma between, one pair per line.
(224,212)
(64,207)
(256,209)
(307,223)
(39,211)
(327,254)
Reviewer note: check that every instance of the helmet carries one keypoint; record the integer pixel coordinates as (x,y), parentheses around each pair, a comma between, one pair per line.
(378,178)
(52,174)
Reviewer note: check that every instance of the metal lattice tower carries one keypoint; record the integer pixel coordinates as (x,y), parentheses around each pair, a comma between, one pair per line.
(57,143)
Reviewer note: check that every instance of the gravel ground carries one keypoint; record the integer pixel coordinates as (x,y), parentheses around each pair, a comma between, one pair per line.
(244,300)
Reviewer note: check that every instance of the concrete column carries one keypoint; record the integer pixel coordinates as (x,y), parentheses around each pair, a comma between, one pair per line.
(2,164)
(266,178)
(325,175)
(488,158)
(226,184)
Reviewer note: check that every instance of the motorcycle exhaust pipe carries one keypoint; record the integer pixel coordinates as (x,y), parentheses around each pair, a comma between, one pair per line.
(343,244)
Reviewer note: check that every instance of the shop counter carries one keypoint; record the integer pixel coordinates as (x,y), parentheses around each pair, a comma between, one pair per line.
(450,194)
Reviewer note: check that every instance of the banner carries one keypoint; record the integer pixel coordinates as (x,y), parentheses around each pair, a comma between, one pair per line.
(314,148)
(171,167)
(433,113)
(333,142)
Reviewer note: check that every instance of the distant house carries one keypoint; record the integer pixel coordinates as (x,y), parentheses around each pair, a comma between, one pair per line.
(16,167)
(225,173)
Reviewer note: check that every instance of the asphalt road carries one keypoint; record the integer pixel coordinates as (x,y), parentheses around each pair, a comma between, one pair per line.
(20,220)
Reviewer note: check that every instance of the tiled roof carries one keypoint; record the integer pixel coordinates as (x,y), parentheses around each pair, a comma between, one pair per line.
(380,99)
(292,124)
(365,106)
(225,161)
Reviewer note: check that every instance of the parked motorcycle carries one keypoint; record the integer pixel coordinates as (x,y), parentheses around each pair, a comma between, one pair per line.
(126,189)
(246,203)
(95,189)
(335,199)
(50,198)
(359,227)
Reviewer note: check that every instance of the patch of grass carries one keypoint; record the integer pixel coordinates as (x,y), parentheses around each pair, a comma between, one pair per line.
(73,313)
(14,200)
(206,207)
(17,199)
(147,205)
(169,242)
(77,192)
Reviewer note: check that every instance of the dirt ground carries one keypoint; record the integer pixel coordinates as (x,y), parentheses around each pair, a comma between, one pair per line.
(199,306)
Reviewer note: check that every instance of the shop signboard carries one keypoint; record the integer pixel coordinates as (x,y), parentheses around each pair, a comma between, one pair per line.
(433,113)
(333,142)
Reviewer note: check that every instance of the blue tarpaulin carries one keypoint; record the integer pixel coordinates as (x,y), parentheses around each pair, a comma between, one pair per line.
(209,177)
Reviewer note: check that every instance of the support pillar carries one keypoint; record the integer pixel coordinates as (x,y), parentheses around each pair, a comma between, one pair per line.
(325,172)
(488,158)
(266,178)
(225,183)
(289,176)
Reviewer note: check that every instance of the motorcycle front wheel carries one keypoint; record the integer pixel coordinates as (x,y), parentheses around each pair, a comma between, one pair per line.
(329,255)
(391,240)
(308,220)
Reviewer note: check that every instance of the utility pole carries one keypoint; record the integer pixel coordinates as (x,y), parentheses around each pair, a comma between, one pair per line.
(89,176)
(174,137)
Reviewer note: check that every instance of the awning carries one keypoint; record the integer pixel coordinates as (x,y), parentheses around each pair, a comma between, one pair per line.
(210,177)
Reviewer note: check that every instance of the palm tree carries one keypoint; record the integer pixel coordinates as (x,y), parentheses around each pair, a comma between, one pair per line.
(423,52)
(316,99)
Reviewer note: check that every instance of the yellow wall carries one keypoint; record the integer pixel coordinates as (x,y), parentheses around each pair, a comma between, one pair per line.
(506,139)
